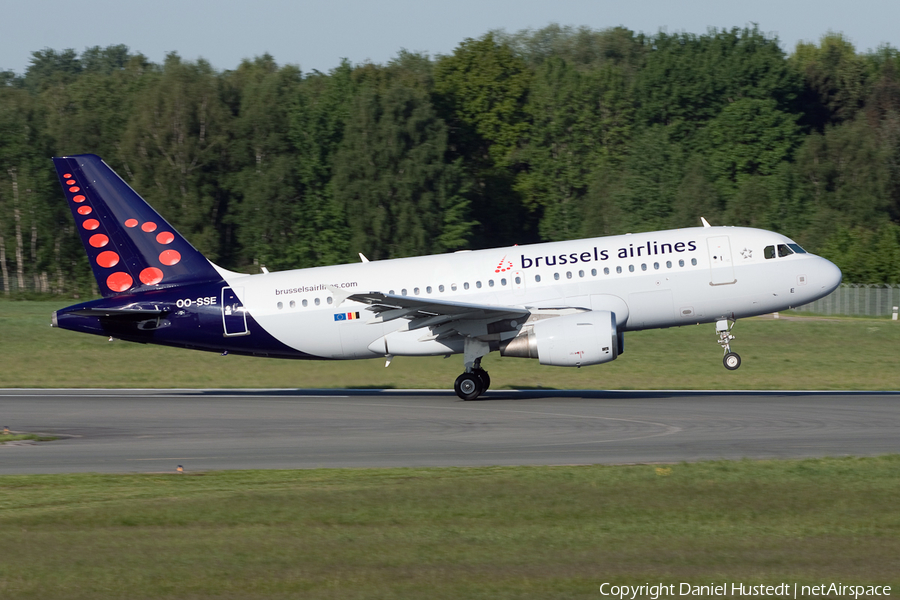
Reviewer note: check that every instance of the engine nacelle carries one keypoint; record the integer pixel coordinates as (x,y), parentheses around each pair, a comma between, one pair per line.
(587,338)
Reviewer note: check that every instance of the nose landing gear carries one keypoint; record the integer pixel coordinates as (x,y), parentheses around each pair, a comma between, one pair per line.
(731,360)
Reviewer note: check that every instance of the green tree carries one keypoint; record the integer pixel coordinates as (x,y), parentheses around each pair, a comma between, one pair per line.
(265,188)
(317,121)
(399,195)
(639,193)
(174,146)
(835,78)
(480,91)
(578,121)
(688,80)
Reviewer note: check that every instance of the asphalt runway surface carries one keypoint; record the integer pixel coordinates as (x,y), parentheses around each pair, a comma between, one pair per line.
(157,430)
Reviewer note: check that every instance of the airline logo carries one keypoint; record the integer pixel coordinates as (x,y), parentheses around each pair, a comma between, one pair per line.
(503,266)
(350,316)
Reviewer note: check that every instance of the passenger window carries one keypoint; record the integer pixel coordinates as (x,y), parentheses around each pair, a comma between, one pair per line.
(556,276)
(581,273)
(440,288)
(391,292)
(293,304)
(518,280)
(783,250)
(305,303)
(329,300)
(428,289)
(668,264)
(416,291)
(694,261)
(317,301)
(643,266)
(490,283)
(280,305)
(568,274)
(631,268)
(466,285)
(681,263)
(656,266)
(478,284)
(452,287)
(606,270)
(503,281)
(594,272)
(537,278)
(619,269)
(769,252)
(403,292)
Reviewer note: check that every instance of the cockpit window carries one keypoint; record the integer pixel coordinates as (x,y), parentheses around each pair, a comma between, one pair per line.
(769,252)
(796,248)
(783,250)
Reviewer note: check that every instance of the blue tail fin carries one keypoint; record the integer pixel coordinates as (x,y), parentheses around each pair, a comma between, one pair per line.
(131,248)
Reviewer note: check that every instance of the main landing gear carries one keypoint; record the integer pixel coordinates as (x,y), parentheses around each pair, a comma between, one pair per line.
(732,360)
(469,386)
(475,381)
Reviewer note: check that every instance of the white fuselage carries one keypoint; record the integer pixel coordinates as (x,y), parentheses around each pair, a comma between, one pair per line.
(649,280)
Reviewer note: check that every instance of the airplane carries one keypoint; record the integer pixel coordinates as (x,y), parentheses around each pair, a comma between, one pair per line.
(563,303)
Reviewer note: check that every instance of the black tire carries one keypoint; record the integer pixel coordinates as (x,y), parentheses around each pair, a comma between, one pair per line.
(485,379)
(732,361)
(468,386)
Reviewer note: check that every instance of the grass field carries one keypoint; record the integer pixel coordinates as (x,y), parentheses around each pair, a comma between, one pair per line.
(800,353)
(545,532)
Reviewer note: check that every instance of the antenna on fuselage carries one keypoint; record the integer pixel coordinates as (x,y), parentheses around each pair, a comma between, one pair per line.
(705,222)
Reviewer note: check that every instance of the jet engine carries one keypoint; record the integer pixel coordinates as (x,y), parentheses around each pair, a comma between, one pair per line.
(586,338)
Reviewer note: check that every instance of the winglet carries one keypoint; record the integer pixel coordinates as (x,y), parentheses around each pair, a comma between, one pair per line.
(339,294)
(705,222)
(362,257)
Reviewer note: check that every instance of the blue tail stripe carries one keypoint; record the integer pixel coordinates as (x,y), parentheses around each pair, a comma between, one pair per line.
(143,251)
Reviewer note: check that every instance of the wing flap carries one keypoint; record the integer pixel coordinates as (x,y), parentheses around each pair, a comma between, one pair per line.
(427,312)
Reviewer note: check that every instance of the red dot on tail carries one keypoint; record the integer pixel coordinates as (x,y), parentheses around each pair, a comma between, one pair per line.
(78,198)
(85,210)
(70,182)
(151,276)
(66,175)
(131,223)
(169,257)
(119,281)
(107,259)
(165,237)
(74,189)
(98,240)
(149,226)
(91,224)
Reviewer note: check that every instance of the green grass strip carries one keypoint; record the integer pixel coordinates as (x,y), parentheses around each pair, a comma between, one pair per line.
(789,354)
(500,532)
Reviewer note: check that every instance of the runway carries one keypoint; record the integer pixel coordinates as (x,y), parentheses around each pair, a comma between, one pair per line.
(156,430)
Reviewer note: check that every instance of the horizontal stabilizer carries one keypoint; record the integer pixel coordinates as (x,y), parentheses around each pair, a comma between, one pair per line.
(121,313)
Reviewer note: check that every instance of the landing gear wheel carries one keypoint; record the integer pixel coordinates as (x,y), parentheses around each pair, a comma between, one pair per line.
(732,361)
(468,386)
(485,379)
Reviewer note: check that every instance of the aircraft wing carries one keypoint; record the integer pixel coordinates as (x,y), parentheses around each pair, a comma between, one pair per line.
(444,317)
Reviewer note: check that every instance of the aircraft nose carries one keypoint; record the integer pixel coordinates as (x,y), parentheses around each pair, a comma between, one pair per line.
(828,276)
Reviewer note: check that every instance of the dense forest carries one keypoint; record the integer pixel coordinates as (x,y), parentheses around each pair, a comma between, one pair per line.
(513,138)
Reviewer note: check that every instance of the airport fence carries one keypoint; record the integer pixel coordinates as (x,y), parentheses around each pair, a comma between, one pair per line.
(857,299)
